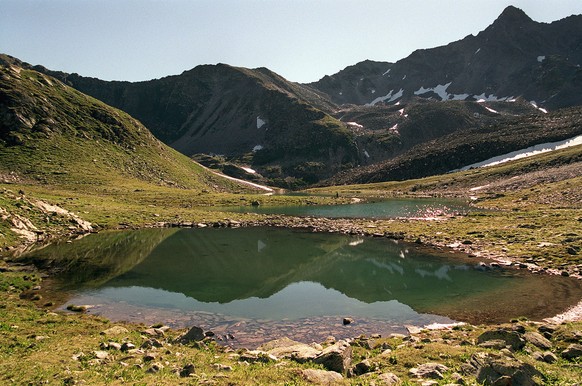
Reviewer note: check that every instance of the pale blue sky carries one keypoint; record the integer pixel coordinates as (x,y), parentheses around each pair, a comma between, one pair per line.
(302,40)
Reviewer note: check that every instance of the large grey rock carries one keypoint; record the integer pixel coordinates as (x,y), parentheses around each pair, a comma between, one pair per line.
(387,379)
(337,357)
(491,369)
(195,334)
(322,377)
(290,349)
(363,367)
(572,351)
(511,338)
(537,340)
(115,330)
(429,370)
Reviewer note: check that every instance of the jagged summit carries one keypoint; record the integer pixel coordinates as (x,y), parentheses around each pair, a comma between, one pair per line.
(514,57)
(513,16)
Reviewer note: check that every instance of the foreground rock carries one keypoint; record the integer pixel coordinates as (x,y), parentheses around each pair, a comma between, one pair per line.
(494,369)
(322,377)
(337,357)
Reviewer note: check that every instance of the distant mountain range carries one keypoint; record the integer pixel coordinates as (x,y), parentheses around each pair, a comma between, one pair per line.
(367,114)
(513,57)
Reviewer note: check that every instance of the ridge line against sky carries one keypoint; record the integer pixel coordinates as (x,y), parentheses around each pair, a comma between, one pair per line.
(302,40)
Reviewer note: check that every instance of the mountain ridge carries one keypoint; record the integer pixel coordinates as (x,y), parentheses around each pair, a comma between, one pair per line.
(514,56)
(299,134)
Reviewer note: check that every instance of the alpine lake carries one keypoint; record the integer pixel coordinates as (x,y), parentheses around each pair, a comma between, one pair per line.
(252,285)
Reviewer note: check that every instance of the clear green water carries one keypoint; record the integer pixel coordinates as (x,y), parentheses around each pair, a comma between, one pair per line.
(394,208)
(267,281)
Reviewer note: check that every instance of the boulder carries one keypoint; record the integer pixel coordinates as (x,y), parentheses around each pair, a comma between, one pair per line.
(429,370)
(572,351)
(363,367)
(290,349)
(537,340)
(337,357)
(195,334)
(492,369)
(322,377)
(511,338)
(115,330)
(187,370)
(387,379)
(255,356)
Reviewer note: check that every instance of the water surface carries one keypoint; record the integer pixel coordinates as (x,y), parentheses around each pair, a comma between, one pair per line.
(393,208)
(261,283)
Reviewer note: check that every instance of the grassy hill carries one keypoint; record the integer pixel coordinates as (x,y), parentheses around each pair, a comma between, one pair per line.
(51,133)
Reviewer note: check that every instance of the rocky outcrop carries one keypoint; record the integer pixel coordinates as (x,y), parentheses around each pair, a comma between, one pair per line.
(494,369)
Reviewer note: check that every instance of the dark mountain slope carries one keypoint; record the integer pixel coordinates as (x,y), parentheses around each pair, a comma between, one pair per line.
(515,56)
(54,134)
(280,128)
(468,146)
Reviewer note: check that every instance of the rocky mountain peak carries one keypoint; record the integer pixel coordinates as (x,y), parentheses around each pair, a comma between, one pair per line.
(513,16)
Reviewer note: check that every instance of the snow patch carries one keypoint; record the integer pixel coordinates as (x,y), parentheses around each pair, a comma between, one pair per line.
(257,148)
(366,154)
(460,97)
(404,77)
(492,98)
(248,170)
(373,91)
(476,52)
(355,124)
(440,90)
(387,71)
(541,58)
(401,111)
(260,122)
(491,110)
(535,105)
(394,129)
(387,98)
(527,152)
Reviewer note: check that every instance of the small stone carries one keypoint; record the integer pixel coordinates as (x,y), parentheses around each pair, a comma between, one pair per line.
(221,367)
(148,357)
(187,370)
(127,346)
(550,357)
(75,308)
(347,321)
(155,368)
(101,354)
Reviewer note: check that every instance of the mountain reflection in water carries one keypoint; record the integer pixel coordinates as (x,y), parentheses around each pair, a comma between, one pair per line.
(281,274)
